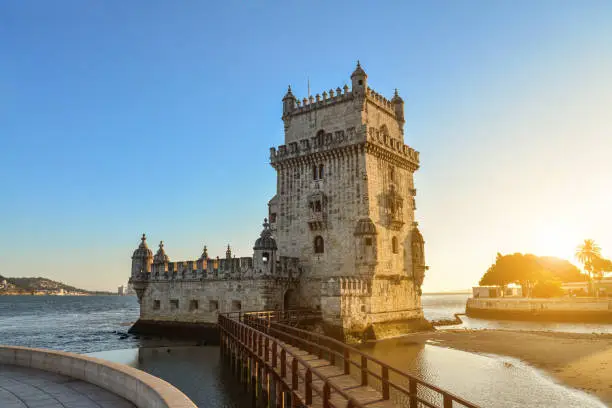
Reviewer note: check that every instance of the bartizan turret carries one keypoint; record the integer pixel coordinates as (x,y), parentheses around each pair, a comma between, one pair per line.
(142,259)
(264,252)
(289,103)
(359,81)
(398,108)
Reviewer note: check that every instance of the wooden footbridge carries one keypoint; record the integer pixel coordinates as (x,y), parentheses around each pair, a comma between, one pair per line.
(284,366)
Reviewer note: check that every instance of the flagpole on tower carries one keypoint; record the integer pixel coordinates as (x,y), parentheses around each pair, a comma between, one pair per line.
(308,79)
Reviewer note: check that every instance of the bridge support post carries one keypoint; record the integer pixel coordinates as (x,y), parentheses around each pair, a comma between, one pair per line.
(245,372)
(263,386)
(253,382)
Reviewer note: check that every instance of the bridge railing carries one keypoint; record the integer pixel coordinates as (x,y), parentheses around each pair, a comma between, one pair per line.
(392,383)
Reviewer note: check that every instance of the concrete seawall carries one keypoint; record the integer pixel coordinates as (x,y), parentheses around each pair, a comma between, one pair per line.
(138,387)
(554,309)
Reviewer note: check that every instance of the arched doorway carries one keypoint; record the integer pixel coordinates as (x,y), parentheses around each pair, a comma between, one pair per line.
(289,300)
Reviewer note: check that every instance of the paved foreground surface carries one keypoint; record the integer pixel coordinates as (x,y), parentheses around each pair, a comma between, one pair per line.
(22,387)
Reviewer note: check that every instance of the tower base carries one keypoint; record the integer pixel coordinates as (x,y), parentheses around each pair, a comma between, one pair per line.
(374,331)
(207,333)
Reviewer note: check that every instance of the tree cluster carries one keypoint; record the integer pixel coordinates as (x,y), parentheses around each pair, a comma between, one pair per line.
(539,276)
(542,276)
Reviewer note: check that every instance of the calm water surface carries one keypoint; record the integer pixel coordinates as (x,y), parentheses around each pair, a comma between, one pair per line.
(96,324)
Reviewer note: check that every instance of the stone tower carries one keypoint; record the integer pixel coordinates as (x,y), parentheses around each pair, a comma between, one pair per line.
(345,205)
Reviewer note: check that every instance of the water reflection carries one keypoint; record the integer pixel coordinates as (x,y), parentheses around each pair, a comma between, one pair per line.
(489,381)
(198,372)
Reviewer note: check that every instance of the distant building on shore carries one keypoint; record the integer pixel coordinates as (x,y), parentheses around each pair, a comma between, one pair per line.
(494,291)
(126,290)
(602,288)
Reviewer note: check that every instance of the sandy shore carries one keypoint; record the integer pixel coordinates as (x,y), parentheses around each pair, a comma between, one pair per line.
(581,361)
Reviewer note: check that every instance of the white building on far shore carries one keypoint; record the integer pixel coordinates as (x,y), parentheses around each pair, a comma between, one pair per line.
(493,291)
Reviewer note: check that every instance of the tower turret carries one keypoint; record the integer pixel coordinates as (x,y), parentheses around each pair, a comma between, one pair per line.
(142,258)
(418,257)
(264,252)
(204,253)
(160,260)
(289,102)
(359,81)
(398,107)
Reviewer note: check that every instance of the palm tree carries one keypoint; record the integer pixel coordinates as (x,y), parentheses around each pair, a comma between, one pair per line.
(587,253)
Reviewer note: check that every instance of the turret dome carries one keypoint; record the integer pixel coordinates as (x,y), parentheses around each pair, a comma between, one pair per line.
(160,256)
(397,98)
(358,71)
(265,241)
(289,94)
(143,250)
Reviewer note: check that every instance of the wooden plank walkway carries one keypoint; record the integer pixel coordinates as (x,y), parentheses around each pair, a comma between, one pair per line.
(312,375)
(335,376)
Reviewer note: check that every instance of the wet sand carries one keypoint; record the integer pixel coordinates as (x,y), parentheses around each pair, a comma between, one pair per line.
(582,361)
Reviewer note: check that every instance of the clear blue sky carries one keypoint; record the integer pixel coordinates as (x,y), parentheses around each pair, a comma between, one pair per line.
(118,118)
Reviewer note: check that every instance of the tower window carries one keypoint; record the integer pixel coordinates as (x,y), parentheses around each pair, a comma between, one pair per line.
(174,304)
(264,257)
(319,246)
(319,138)
(193,305)
(317,206)
(317,172)
(394,247)
(368,241)
(156,305)
(361,82)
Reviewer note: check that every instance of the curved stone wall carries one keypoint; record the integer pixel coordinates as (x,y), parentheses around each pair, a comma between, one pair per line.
(138,387)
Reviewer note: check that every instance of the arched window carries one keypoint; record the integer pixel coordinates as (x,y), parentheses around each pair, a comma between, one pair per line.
(394,245)
(320,137)
(264,257)
(320,171)
(384,131)
(314,172)
(319,246)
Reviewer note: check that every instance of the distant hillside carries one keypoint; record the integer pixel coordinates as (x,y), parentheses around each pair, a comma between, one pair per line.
(40,285)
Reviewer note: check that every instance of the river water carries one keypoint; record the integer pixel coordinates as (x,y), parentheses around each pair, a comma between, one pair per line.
(97,325)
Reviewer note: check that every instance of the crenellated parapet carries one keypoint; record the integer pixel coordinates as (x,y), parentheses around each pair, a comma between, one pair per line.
(319,145)
(325,145)
(393,107)
(394,150)
(294,106)
(228,268)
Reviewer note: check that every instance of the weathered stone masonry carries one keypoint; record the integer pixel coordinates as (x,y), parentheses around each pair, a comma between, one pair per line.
(342,236)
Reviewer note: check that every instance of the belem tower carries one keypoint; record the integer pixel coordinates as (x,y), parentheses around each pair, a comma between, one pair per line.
(340,236)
